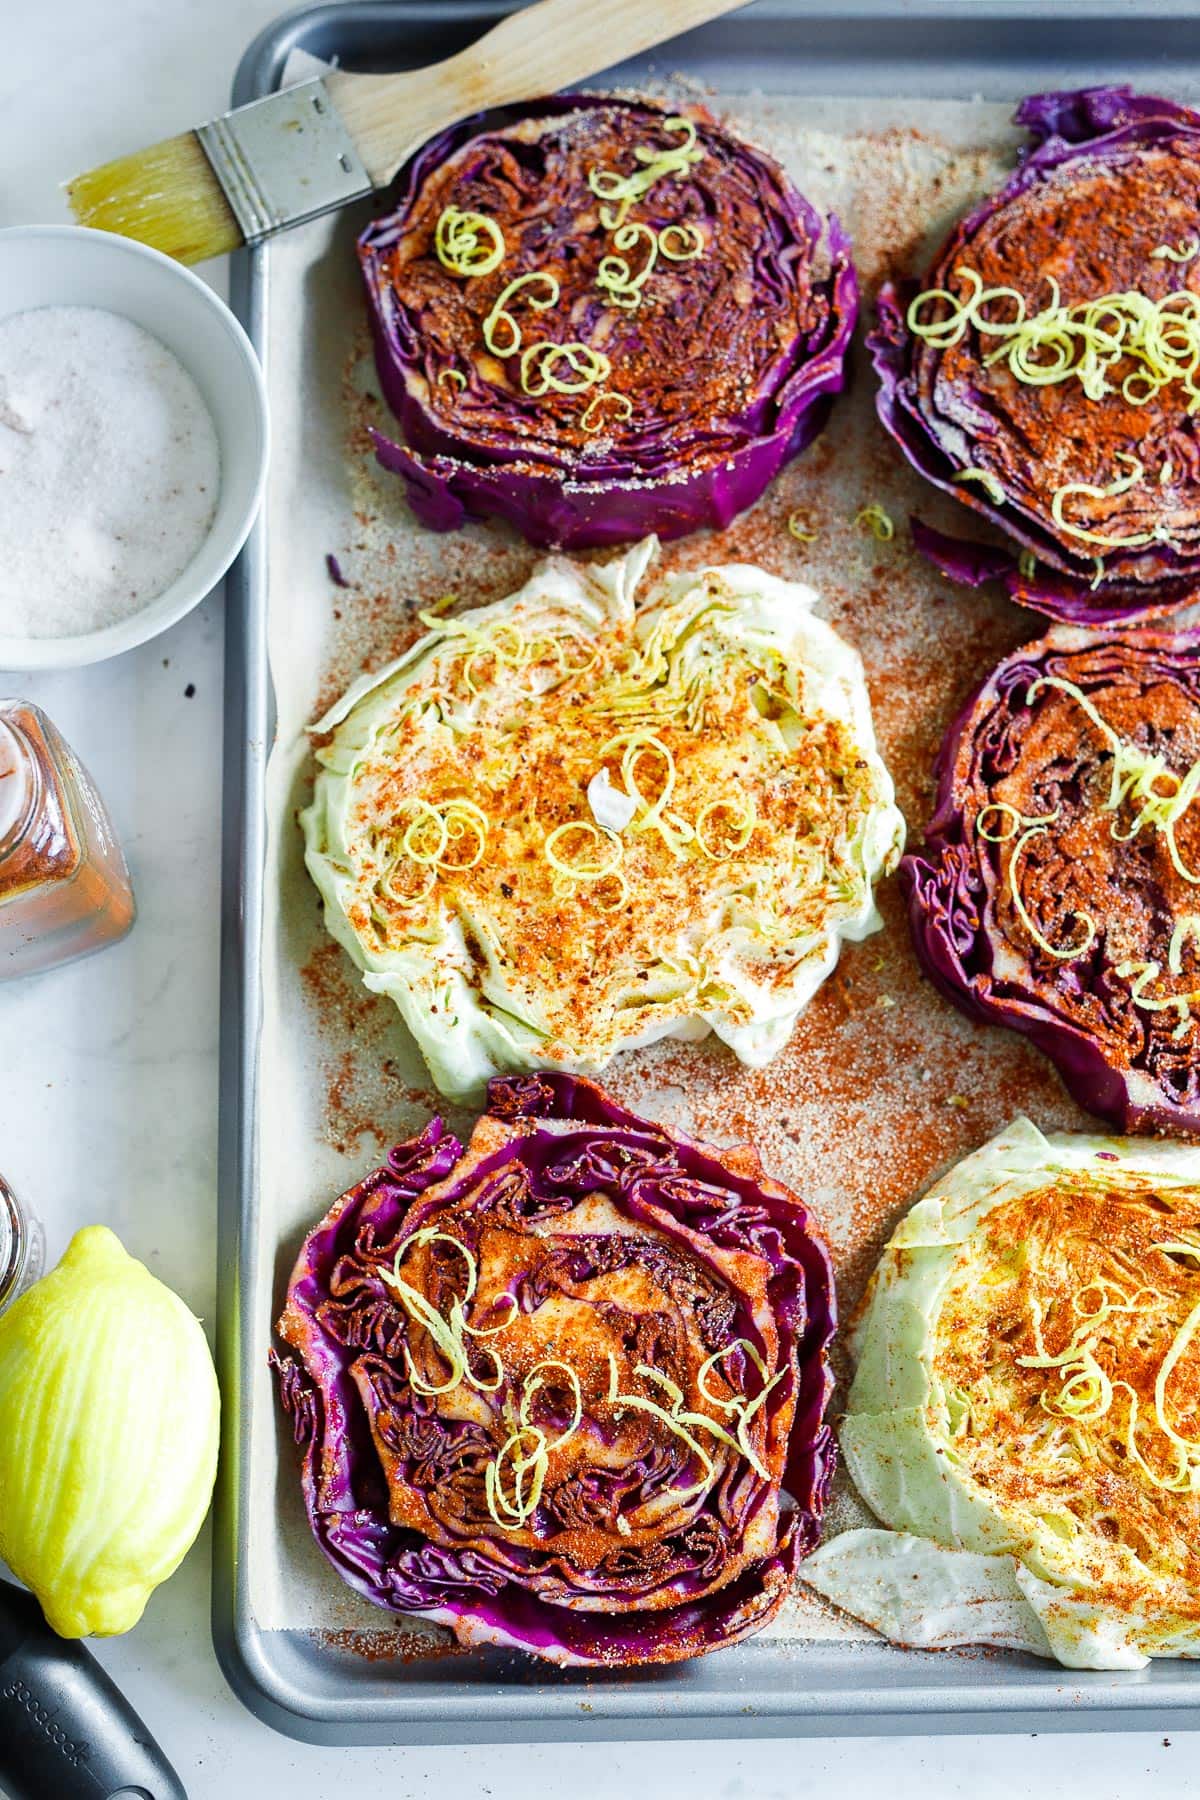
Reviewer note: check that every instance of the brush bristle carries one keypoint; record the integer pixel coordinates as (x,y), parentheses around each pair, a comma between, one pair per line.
(167,197)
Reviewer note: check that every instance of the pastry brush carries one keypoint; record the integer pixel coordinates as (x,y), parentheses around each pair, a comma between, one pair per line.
(312,148)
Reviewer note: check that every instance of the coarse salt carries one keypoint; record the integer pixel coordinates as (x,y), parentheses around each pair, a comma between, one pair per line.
(109,470)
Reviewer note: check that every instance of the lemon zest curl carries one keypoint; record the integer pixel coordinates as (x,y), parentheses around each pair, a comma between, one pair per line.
(459,245)
(657,165)
(877,521)
(501,314)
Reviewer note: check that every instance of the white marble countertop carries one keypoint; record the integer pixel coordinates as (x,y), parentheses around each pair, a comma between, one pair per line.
(109,1074)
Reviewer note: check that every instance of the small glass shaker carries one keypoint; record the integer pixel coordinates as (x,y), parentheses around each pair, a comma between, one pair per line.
(64,887)
(22,1247)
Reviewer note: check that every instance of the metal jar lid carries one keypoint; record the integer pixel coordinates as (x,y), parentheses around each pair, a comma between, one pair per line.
(22,1247)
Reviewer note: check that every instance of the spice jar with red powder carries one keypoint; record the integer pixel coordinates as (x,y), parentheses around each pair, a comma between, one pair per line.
(64,887)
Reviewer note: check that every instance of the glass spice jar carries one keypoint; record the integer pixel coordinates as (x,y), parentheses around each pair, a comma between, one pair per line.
(22,1247)
(64,887)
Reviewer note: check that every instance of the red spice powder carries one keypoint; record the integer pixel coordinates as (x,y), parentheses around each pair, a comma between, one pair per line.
(401,1644)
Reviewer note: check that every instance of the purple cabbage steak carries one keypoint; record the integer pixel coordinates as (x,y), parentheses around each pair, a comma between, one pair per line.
(1056,890)
(1105,201)
(563,1390)
(722,363)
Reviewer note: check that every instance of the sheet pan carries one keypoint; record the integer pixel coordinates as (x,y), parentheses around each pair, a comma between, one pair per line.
(904,119)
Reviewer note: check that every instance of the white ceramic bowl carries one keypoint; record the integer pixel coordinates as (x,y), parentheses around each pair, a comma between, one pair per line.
(68,265)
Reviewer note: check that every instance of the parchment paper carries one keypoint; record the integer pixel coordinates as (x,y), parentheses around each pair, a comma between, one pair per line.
(883,1083)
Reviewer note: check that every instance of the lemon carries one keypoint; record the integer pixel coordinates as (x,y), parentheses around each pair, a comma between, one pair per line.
(109,1413)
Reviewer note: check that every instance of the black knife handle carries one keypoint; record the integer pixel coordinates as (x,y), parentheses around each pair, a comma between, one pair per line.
(66,1730)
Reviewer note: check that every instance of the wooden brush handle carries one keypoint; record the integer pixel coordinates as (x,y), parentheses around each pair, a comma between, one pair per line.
(535,51)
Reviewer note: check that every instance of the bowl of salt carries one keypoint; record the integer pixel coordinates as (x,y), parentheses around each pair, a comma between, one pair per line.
(133,444)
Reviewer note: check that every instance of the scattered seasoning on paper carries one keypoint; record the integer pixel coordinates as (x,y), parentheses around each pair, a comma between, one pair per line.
(109,470)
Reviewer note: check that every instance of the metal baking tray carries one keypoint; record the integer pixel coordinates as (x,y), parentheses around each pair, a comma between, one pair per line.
(295,1680)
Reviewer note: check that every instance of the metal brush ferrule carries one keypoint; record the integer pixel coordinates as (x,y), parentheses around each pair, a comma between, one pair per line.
(284,159)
